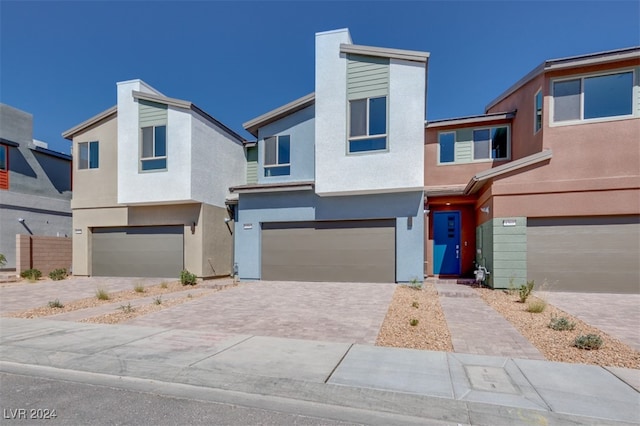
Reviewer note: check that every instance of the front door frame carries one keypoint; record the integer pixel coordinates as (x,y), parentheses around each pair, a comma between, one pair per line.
(447,227)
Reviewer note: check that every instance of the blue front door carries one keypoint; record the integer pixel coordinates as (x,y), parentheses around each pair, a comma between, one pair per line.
(446,243)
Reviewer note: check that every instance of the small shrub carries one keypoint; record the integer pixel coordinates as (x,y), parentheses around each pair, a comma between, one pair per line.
(187,278)
(413,322)
(138,288)
(31,274)
(415,283)
(588,342)
(3,260)
(55,304)
(536,306)
(525,291)
(164,284)
(561,324)
(58,274)
(415,304)
(158,300)
(102,294)
(127,309)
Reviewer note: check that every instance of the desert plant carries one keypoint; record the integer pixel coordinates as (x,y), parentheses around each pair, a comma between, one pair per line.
(536,306)
(127,309)
(561,324)
(3,260)
(31,274)
(525,290)
(187,278)
(102,294)
(164,284)
(588,342)
(138,288)
(413,322)
(158,300)
(415,283)
(58,274)
(415,304)
(55,304)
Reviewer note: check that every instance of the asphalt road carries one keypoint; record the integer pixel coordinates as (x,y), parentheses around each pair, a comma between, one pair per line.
(33,400)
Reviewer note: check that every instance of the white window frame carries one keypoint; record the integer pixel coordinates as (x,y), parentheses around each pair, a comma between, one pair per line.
(536,129)
(484,160)
(89,144)
(582,77)
(153,146)
(276,164)
(367,136)
(440,163)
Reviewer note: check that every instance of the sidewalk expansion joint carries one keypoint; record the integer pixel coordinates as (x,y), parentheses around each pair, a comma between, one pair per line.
(221,351)
(339,362)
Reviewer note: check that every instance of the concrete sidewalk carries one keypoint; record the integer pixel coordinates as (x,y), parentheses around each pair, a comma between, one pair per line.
(436,386)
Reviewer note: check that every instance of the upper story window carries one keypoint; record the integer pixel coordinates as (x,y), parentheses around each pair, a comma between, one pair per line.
(537,118)
(277,156)
(3,158)
(154,148)
(368,124)
(593,97)
(479,144)
(88,155)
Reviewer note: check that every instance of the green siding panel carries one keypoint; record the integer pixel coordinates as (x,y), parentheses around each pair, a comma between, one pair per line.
(367,77)
(152,113)
(252,165)
(463,152)
(504,251)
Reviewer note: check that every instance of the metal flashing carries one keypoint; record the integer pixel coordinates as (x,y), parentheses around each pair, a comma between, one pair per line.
(407,55)
(472,119)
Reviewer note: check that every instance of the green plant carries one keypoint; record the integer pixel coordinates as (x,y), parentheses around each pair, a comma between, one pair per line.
(58,274)
(127,309)
(413,322)
(102,294)
(158,300)
(138,288)
(3,260)
(187,278)
(55,304)
(536,306)
(415,304)
(31,274)
(561,324)
(415,283)
(525,291)
(164,284)
(588,342)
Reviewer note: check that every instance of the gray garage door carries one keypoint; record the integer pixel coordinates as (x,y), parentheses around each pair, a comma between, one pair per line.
(351,251)
(591,254)
(146,251)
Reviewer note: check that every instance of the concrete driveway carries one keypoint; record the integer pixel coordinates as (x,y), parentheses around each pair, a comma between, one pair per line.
(336,312)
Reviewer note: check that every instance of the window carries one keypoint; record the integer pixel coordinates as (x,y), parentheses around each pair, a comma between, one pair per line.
(88,155)
(538,113)
(447,147)
(593,97)
(277,156)
(490,143)
(154,148)
(3,158)
(368,125)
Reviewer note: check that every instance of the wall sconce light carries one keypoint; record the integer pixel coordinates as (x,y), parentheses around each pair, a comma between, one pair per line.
(485,210)
(21,220)
(193,228)
(227,219)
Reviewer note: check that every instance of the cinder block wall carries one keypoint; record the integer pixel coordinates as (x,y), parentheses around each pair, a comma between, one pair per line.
(43,253)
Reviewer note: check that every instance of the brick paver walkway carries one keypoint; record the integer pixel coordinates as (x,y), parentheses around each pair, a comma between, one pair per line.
(618,315)
(337,312)
(476,328)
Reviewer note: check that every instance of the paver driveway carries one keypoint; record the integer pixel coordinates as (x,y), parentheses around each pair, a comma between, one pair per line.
(337,312)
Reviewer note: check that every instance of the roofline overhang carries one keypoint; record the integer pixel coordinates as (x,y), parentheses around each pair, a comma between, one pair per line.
(253,125)
(69,134)
(52,153)
(383,52)
(568,63)
(443,191)
(273,187)
(8,142)
(472,119)
(477,181)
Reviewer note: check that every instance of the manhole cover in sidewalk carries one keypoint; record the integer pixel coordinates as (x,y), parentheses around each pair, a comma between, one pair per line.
(491,379)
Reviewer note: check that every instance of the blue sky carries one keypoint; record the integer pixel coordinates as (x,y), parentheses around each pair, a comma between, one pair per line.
(60,61)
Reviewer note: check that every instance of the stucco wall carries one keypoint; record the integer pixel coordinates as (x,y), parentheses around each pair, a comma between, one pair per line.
(255,209)
(401,167)
(301,127)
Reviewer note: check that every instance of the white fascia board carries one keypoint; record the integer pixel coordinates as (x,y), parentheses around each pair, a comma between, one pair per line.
(407,55)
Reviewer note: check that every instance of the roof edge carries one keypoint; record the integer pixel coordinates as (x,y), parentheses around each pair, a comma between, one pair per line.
(252,125)
(272,187)
(384,52)
(161,99)
(69,134)
(471,119)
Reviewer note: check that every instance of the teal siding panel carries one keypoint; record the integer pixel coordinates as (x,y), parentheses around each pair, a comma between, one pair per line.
(252,165)
(152,113)
(367,77)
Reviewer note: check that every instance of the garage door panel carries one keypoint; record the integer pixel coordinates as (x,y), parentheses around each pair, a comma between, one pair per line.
(329,251)
(598,254)
(138,252)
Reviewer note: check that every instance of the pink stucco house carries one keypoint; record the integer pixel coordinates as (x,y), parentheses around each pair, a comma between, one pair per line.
(545,185)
